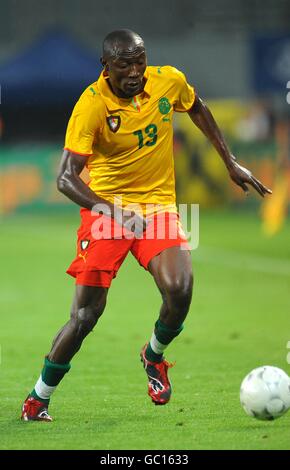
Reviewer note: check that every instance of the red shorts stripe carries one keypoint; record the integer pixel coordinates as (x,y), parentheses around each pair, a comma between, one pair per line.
(95,278)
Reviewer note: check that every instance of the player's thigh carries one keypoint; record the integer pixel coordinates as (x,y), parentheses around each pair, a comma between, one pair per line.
(172,269)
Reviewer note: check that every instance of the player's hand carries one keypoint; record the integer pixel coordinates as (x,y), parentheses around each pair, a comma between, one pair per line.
(131,221)
(242,176)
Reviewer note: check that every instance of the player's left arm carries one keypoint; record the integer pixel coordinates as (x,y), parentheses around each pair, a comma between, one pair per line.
(204,120)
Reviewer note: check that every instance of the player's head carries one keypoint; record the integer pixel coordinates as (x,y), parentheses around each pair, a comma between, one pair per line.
(124,59)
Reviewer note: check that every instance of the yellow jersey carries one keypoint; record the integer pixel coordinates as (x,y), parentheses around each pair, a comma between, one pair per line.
(130,141)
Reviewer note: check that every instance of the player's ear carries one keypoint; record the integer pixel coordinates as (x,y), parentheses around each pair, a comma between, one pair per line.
(104,64)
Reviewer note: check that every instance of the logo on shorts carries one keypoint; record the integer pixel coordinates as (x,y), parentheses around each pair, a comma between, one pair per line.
(84,244)
(114,122)
(83,256)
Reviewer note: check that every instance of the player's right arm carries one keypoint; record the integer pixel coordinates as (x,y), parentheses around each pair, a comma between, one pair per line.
(71,185)
(82,131)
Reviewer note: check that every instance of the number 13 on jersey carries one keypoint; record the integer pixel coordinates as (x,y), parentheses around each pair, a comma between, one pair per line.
(151,133)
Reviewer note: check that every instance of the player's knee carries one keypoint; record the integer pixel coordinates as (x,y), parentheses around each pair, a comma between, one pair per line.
(178,289)
(85,319)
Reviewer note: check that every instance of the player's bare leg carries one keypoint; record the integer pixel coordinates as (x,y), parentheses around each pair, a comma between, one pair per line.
(88,305)
(172,272)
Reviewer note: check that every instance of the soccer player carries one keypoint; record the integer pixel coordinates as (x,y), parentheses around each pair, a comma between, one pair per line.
(121,130)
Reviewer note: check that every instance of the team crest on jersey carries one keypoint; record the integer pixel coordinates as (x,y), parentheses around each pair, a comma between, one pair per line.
(84,244)
(114,123)
(164,105)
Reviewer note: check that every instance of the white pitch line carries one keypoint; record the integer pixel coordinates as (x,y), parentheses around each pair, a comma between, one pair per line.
(239,260)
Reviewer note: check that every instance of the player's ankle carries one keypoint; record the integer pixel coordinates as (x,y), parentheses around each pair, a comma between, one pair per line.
(38,398)
(151,356)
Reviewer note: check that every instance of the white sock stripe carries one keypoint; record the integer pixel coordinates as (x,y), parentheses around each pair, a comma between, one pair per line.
(156,346)
(43,391)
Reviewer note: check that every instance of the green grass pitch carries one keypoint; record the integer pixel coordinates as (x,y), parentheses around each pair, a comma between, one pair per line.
(239,319)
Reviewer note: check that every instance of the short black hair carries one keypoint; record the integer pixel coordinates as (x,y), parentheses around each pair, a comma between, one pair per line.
(116,40)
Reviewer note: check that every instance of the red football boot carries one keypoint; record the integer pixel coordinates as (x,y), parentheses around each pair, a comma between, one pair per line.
(34,410)
(159,387)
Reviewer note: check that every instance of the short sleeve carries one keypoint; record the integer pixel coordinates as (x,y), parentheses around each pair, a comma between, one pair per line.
(83,126)
(185,94)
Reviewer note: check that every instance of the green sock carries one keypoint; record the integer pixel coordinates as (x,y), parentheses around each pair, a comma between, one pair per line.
(151,355)
(164,334)
(161,337)
(51,375)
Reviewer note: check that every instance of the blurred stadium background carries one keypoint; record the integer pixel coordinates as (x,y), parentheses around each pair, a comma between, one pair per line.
(237,55)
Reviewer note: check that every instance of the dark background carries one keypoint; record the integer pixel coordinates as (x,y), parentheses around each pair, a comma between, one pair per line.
(235,53)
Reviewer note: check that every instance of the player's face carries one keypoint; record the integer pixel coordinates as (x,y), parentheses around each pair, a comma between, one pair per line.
(126,73)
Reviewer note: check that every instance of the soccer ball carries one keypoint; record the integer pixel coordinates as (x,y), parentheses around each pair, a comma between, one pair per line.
(265,393)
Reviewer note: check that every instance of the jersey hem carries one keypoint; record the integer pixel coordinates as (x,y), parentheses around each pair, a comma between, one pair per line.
(78,153)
